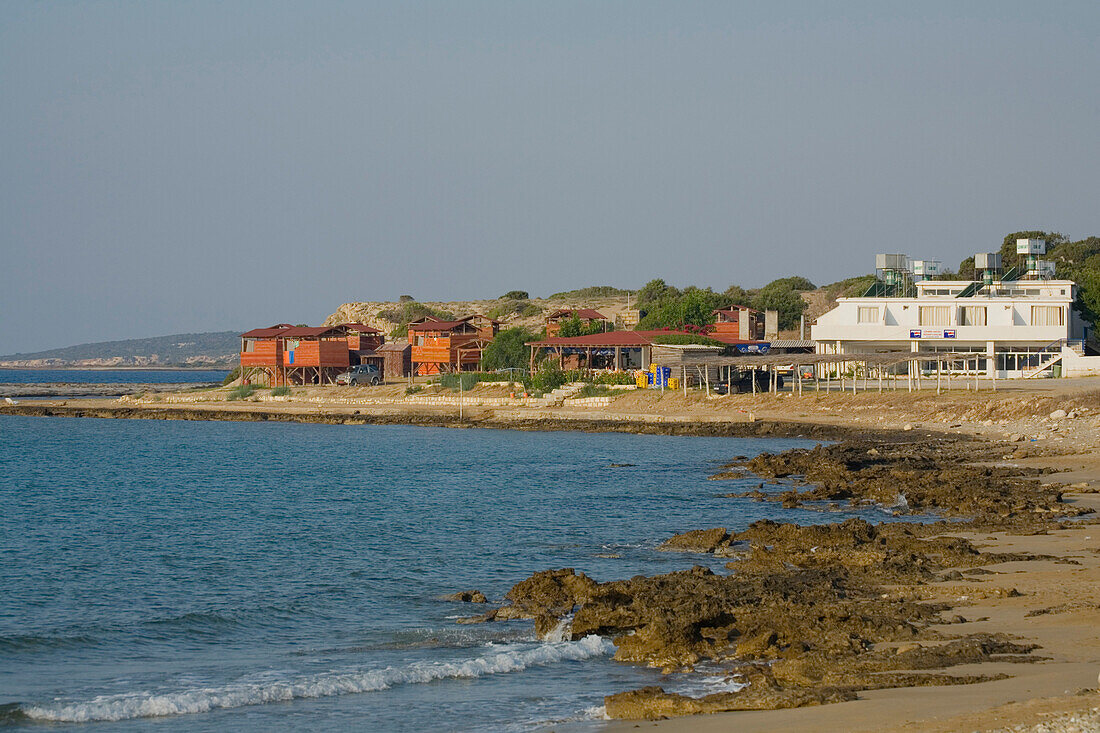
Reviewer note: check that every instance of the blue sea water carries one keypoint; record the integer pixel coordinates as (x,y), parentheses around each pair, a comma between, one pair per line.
(201,576)
(110,376)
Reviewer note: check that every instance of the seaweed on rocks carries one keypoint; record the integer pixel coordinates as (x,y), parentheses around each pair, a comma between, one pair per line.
(938,476)
(814,614)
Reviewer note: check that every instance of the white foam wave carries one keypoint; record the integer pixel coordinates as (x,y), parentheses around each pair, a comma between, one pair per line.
(240,694)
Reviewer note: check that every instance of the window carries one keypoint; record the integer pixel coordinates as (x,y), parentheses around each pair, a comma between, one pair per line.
(1047,315)
(935,315)
(868,314)
(249,345)
(972,315)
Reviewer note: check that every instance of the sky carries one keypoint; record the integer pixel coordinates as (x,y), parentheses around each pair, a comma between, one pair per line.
(203,166)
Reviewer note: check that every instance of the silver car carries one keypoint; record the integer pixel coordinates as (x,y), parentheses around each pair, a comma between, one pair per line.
(360,374)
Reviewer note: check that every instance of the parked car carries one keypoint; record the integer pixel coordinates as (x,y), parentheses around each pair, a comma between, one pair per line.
(743,383)
(360,374)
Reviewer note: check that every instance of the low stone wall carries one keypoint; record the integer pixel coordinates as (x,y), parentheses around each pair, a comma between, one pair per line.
(587,402)
(1075,365)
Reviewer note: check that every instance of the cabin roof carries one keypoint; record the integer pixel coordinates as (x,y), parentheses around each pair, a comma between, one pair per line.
(400,345)
(264,333)
(360,327)
(308,331)
(631,338)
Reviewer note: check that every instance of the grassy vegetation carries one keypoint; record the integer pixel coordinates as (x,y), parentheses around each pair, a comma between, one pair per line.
(509,307)
(241,392)
(283,391)
(595,390)
(595,291)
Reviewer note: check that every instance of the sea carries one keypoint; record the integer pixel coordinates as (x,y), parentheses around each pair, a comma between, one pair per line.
(177,576)
(111,376)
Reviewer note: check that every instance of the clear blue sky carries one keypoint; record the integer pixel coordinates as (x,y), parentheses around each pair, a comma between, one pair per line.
(192,166)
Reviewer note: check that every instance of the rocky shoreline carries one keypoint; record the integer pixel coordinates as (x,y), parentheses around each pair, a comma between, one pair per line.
(811,615)
(103,389)
(485,418)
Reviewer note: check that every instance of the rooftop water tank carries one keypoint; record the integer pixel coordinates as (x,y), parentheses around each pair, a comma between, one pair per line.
(1031,246)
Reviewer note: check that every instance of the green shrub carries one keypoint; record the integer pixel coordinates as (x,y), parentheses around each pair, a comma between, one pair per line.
(241,392)
(280,391)
(547,378)
(595,291)
(594,390)
(515,295)
(414,389)
(612,378)
(232,376)
(508,350)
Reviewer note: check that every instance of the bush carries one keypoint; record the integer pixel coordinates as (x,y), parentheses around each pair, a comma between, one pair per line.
(522,308)
(280,391)
(596,291)
(232,376)
(547,378)
(613,378)
(414,389)
(241,392)
(594,390)
(508,350)
(515,295)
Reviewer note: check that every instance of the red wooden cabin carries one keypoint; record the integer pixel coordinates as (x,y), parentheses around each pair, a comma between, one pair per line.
(450,346)
(312,355)
(364,343)
(586,315)
(261,354)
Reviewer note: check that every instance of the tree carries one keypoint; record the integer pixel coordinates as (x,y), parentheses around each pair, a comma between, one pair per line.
(735,295)
(655,292)
(508,350)
(796,282)
(779,297)
(697,307)
(576,327)
(515,295)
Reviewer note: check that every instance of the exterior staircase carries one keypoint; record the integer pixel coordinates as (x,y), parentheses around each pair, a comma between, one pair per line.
(1050,361)
(559,395)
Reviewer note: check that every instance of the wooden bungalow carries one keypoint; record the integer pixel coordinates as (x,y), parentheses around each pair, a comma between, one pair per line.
(440,347)
(364,343)
(261,354)
(286,355)
(587,316)
(313,355)
(740,322)
(396,359)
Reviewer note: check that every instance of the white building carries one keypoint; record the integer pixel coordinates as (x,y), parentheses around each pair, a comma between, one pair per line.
(1022,328)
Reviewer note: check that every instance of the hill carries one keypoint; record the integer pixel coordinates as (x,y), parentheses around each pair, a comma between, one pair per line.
(530,313)
(218,349)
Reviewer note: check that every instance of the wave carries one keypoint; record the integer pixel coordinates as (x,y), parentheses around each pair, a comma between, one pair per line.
(33,642)
(240,694)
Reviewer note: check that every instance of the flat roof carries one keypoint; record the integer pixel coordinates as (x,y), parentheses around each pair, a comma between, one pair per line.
(885,358)
(635,338)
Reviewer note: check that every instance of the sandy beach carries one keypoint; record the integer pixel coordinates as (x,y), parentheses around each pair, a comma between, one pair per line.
(1052,602)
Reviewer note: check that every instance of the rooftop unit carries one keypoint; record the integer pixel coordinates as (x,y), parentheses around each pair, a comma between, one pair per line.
(893,278)
(924,269)
(1029,250)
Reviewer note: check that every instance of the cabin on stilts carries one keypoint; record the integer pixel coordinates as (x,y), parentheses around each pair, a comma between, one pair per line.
(443,347)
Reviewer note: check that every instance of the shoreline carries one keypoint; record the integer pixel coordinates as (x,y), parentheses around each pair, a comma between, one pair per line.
(476,418)
(1057,607)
